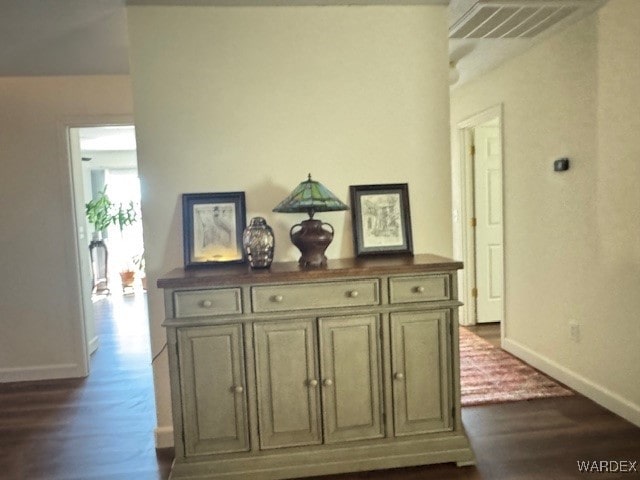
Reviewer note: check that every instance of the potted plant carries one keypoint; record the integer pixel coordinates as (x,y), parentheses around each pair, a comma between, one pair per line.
(123,217)
(99,214)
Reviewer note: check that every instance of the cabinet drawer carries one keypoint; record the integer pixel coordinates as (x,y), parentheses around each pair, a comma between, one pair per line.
(315,295)
(199,303)
(422,288)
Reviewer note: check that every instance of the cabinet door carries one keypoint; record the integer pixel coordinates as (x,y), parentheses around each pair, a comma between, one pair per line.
(351,378)
(212,380)
(287,379)
(420,369)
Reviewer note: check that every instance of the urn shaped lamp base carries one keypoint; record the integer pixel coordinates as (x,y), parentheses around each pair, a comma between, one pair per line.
(309,235)
(312,240)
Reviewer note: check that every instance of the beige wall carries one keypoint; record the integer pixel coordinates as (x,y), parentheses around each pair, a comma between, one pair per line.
(254,98)
(39,305)
(572,240)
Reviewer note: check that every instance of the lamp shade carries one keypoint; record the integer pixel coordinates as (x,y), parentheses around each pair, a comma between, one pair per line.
(309,235)
(310,196)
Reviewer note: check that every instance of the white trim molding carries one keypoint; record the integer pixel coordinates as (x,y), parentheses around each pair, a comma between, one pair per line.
(94,343)
(465,240)
(599,394)
(164,437)
(281,3)
(41,372)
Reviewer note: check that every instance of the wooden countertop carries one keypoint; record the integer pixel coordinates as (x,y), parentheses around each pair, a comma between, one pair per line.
(291,271)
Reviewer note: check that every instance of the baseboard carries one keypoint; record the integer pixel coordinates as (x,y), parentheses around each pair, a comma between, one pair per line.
(164,437)
(93,345)
(328,459)
(599,394)
(41,372)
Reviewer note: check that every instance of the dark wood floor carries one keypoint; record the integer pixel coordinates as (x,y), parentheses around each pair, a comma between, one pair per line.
(101,428)
(489,331)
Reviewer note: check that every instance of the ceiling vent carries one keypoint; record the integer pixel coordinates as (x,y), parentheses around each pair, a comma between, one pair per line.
(513,18)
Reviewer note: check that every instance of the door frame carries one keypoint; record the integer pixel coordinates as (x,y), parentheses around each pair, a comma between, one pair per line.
(466,240)
(80,289)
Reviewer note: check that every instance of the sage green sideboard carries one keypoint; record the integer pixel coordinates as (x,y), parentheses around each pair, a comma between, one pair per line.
(288,373)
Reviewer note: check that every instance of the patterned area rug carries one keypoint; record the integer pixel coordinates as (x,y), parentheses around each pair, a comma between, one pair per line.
(491,375)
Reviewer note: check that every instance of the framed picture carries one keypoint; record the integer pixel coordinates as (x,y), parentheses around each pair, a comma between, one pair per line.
(212,228)
(381,219)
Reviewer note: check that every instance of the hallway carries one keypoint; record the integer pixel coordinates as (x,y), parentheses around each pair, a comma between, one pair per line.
(100,427)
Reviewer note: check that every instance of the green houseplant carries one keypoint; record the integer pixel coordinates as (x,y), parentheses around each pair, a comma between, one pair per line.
(99,213)
(125,216)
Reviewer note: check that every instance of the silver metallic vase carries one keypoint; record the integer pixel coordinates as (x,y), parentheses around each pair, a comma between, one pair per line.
(258,242)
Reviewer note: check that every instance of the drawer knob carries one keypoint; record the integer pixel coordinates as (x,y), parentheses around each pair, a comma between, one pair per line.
(328,382)
(207,303)
(313,383)
(419,289)
(277,298)
(399,376)
(353,293)
(238,389)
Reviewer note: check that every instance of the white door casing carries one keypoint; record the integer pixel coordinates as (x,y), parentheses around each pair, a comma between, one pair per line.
(464,212)
(70,148)
(83,235)
(489,229)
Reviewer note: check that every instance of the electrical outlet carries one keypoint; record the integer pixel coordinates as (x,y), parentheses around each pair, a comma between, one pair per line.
(574,331)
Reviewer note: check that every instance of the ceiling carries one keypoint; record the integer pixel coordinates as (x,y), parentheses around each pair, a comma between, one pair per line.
(63,37)
(107,138)
(485,33)
(89,37)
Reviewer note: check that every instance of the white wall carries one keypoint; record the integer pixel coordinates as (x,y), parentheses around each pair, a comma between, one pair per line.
(254,98)
(109,159)
(572,245)
(615,305)
(39,308)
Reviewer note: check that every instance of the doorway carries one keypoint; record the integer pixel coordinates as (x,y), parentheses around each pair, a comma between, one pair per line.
(103,164)
(482,226)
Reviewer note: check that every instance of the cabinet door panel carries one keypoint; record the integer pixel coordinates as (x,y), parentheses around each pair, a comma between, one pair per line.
(288,390)
(421,375)
(350,367)
(213,386)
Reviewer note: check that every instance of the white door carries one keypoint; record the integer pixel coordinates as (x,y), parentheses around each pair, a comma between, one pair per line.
(488,214)
(84,261)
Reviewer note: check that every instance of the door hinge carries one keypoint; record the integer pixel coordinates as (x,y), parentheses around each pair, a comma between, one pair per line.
(474,222)
(474,292)
(473,150)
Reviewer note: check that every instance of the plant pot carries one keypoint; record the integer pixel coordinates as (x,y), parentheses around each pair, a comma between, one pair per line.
(127,277)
